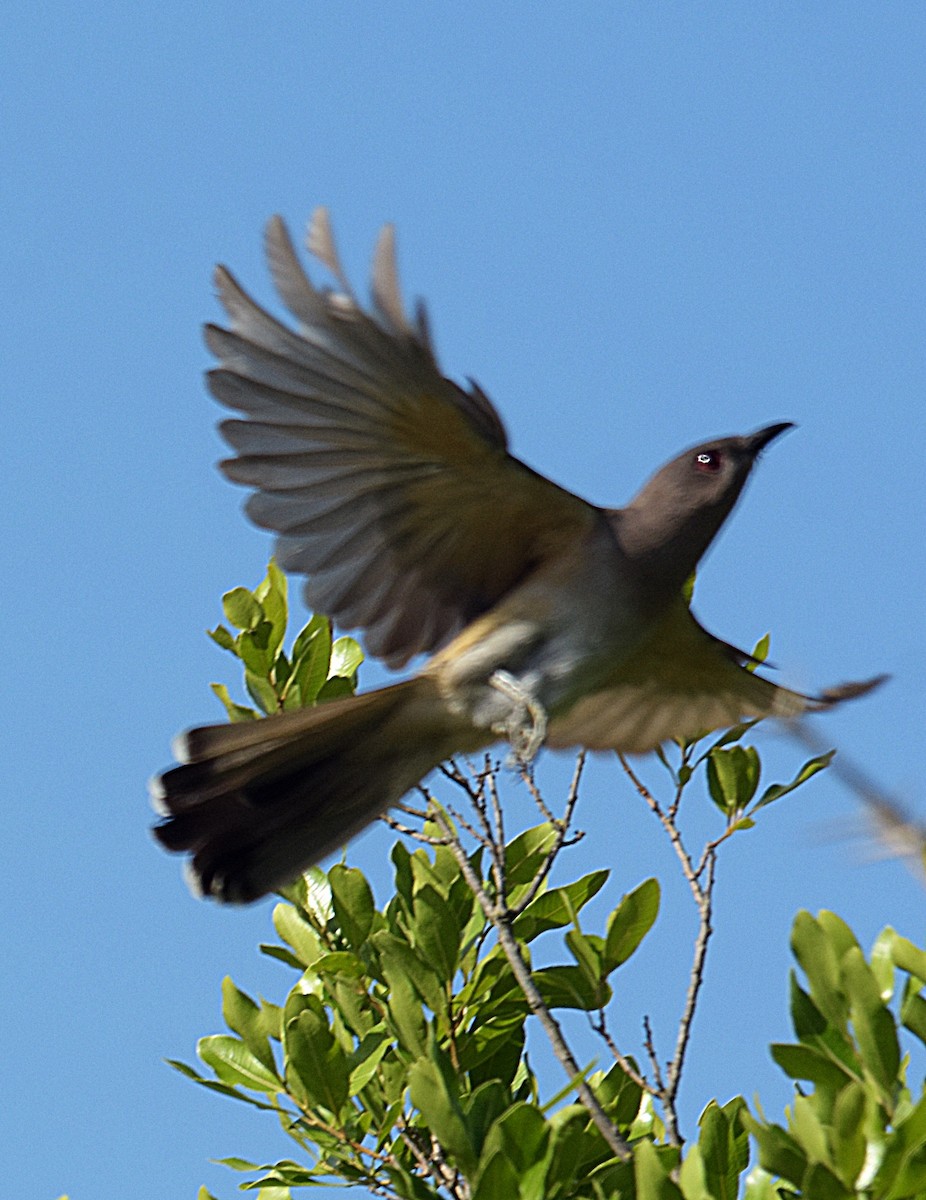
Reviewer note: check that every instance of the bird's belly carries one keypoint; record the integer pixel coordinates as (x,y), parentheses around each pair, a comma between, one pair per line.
(558,638)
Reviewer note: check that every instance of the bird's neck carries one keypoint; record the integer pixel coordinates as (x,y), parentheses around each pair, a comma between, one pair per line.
(663,551)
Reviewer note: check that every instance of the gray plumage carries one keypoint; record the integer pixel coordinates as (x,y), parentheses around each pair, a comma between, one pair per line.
(392,490)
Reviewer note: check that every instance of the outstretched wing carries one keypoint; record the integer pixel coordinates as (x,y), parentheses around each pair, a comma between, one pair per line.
(389,486)
(680,683)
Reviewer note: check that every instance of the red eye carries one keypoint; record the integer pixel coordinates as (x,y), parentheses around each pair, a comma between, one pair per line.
(708,461)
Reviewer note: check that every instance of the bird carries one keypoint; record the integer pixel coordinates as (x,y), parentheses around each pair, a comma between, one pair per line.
(546,619)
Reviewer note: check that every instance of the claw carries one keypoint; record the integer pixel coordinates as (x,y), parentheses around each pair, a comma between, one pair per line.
(526,727)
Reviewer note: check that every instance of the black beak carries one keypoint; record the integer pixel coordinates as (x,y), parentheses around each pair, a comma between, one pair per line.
(762,437)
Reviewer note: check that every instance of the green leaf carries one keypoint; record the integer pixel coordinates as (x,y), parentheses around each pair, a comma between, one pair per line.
(734,734)
(838,932)
(400,962)
(558,907)
(339,964)
(317,902)
(404,1013)
(238,1164)
(761,648)
(807,771)
(762,1186)
(281,954)
(433,1089)
(588,951)
(483,1108)
(821,1184)
(814,1030)
(913,1015)
(261,692)
(297,933)
(245,1018)
(570,987)
(334,688)
(234,1063)
(803,1062)
(241,609)
(236,712)
(434,932)
(315,1056)
(497,1179)
(525,853)
(253,648)
(733,776)
(848,1132)
(724,1148)
(873,1023)
(630,922)
(223,1089)
(779,1153)
(882,962)
(908,957)
(651,1176)
(903,1165)
(366,1059)
(346,657)
(807,1127)
(490,1050)
(522,1136)
(310,658)
(620,1095)
(272,594)
(817,954)
(222,637)
(354,909)
(690,1177)
(492,984)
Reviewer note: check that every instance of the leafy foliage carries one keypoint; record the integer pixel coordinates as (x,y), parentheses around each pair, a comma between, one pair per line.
(316,669)
(397,1059)
(405,1029)
(860,1130)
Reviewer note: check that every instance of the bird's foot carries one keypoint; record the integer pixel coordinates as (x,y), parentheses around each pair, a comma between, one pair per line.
(526,726)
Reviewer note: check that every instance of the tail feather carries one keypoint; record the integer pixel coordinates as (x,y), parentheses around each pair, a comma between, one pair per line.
(257,803)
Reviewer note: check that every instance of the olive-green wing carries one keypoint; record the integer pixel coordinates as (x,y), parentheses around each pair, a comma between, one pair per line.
(388,485)
(680,683)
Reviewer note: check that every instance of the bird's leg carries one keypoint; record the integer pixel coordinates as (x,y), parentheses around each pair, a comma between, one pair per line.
(526,726)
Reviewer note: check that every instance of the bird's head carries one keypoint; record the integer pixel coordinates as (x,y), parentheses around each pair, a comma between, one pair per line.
(670,523)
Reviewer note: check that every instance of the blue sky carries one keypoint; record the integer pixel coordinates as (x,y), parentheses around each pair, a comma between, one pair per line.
(637,225)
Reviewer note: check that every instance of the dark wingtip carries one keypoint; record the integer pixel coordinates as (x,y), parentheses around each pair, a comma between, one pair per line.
(851,691)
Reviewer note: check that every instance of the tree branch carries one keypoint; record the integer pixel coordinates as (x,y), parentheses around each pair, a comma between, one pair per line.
(500,919)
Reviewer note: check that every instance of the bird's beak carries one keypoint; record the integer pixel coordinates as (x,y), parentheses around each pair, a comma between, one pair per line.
(762,437)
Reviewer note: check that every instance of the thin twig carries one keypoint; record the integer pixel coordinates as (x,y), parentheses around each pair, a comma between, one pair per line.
(650,1048)
(695,979)
(410,1137)
(526,774)
(670,827)
(623,1061)
(420,813)
(561,825)
(408,831)
(500,919)
(701,883)
(679,785)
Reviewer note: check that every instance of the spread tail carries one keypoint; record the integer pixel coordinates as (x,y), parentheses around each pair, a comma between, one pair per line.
(256,803)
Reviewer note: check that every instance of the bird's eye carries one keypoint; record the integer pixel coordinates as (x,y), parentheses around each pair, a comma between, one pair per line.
(708,461)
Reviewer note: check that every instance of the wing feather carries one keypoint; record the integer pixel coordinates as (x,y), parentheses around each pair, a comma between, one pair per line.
(681,683)
(389,485)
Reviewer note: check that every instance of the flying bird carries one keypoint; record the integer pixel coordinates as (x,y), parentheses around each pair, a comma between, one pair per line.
(547,619)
